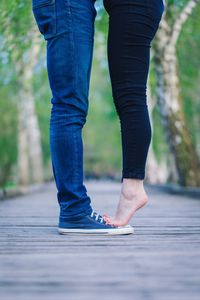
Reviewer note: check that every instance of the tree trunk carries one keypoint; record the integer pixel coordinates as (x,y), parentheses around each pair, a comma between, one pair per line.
(155,172)
(30,150)
(171,106)
(29,136)
(23,160)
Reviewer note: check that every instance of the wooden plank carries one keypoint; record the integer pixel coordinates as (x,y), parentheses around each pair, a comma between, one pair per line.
(160,261)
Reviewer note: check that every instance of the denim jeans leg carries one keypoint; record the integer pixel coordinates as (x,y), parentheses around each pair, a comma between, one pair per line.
(69,57)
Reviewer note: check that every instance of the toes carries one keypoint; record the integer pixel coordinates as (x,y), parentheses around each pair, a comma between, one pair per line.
(106,219)
(111,220)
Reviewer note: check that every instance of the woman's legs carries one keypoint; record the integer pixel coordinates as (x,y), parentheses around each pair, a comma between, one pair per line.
(132,26)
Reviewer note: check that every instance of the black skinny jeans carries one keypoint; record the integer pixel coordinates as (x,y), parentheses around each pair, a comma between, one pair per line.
(132,27)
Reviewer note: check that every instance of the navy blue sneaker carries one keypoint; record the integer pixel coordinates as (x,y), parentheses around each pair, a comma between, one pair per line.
(91,224)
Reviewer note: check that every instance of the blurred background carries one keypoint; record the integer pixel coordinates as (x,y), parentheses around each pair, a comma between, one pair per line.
(173,100)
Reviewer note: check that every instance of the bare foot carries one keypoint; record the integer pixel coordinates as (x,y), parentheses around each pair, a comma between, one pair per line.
(131,199)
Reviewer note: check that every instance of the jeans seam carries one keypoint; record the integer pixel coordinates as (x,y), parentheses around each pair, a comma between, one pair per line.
(76,154)
(72,43)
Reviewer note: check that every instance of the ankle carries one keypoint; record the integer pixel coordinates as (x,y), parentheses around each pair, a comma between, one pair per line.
(132,187)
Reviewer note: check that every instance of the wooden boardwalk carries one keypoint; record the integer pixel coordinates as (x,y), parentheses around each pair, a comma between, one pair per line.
(161,261)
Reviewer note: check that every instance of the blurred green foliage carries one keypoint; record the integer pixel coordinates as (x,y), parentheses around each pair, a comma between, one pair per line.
(189,73)
(101,133)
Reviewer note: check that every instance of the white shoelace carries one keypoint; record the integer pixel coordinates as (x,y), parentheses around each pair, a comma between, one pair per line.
(97,216)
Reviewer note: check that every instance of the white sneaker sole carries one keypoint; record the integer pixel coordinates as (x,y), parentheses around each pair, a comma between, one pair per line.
(117,231)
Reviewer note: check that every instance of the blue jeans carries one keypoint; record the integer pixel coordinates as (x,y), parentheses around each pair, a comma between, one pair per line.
(68,28)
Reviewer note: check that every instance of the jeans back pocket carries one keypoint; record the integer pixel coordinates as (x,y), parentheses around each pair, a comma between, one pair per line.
(45,15)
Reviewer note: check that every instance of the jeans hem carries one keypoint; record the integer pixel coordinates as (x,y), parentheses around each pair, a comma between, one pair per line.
(133,175)
(79,214)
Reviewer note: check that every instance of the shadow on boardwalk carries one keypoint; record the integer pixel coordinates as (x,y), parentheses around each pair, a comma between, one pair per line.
(161,261)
